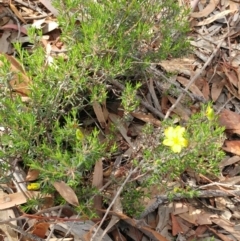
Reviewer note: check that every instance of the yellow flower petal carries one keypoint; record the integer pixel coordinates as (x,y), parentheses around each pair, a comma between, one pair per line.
(168,142)
(179,131)
(210,113)
(176,148)
(33,186)
(174,138)
(169,132)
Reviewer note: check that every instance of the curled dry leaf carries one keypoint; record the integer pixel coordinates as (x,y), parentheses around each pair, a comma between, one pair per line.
(32,175)
(20,81)
(66,192)
(40,229)
(207,10)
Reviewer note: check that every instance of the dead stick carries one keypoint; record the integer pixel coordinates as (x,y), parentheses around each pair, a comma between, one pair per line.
(201,194)
(196,76)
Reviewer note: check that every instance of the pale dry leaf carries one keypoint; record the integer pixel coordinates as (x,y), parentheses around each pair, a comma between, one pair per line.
(197,216)
(14,199)
(66,192)
(207,10)
(5,215)
(234,6)
(231,181)
(4,42)
(179,65)
(215,17)
(49,26)
(179,207)
(49,6)
(226,225)
(17,13)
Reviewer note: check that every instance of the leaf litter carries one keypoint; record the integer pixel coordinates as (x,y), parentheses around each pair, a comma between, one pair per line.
(217,210)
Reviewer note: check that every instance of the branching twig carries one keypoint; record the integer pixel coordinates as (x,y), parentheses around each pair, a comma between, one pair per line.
(145,104)
(114,199)
(194,78)
(201,194)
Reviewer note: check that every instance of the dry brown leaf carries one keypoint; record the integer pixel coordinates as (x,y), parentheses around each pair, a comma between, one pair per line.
(146,118)
(145,229)
(99,113)
(230,120)
(98,183)
(220,235)
(216,90)
(232,146)
(205,89)
(176,228)
(40,229)
(15,27)
(32,175)
(118,123)
(200,230)
(207,10)
(231,75)
(180,110)
(197,216)
(193,88)
(66,192)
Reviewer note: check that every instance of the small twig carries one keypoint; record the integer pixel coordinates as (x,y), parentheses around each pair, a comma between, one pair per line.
(201,194)
(25,234)
(145,104)
(196,76)
(113,201)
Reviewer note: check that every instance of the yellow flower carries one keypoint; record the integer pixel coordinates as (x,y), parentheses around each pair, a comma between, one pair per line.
(174,138)
(79,135)
(33,186)
(210,113)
